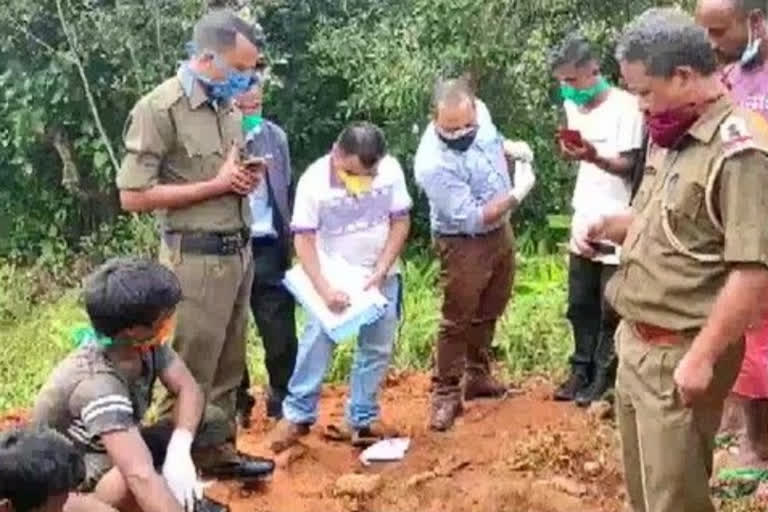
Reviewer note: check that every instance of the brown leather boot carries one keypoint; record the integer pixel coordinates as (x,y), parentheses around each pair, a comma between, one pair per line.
(286,434)
(444,413)
(483,386)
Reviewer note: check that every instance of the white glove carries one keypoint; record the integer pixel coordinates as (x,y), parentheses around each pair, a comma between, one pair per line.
(518,150)
(524,180)
(179,470)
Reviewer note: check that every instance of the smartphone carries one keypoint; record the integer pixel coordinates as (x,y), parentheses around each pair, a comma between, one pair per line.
(570,137)
(257,162)
(602,248)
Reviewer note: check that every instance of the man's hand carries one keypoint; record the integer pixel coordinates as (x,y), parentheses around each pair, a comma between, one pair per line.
(518,150)
(594,232)
(376,280)
(693,376)
(179,470)
(337,301)
(586,151)
(233,177)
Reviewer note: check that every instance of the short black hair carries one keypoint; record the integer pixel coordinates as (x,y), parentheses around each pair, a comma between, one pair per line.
(217,31)
(129,292)
(35,465)
(364,140)
(574,49)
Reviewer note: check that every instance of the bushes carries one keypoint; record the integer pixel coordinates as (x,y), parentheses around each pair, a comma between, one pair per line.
(531,338)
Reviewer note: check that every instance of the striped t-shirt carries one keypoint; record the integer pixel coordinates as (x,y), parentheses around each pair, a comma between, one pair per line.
(87,395)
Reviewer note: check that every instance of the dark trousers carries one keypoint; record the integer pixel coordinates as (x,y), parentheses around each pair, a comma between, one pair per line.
(593,320)
(273,310)
(477,275)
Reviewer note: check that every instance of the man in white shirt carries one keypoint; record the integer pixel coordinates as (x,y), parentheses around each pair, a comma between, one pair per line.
(353,205)
(605,135)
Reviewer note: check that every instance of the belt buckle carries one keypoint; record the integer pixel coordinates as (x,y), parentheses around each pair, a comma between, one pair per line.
(230,244)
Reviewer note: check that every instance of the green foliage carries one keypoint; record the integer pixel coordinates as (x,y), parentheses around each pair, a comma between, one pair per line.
(532,337)
(72,71)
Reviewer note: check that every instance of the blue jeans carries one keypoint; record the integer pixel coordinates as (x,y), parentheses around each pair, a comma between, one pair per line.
(374,350)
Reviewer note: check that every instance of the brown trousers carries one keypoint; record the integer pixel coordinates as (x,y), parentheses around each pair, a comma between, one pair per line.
(477,274)
(667,447)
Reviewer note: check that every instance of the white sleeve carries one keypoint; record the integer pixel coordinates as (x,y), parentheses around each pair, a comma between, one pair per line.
(305,207)
(629,134)
(401,199)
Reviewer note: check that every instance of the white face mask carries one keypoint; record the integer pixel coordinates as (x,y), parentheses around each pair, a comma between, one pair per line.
(752,52)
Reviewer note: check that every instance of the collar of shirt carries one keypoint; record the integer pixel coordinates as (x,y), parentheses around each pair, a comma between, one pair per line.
(707,125)
(194,90)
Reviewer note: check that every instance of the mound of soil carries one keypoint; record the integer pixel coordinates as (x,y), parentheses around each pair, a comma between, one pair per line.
(522,454)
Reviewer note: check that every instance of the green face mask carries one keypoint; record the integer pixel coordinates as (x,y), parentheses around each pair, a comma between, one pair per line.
(252,122)
(583,97)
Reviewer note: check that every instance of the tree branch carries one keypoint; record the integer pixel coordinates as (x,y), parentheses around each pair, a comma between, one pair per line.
(72,40)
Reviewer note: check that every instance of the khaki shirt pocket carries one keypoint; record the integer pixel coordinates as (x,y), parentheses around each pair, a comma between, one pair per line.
(203,149)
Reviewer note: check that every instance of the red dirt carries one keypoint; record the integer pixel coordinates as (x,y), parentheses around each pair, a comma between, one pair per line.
(501,456)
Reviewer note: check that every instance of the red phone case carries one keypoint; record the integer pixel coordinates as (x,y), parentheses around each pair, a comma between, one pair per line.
(572,137)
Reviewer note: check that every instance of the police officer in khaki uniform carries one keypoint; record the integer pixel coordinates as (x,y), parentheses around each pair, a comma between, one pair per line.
(694,261)
(182,145)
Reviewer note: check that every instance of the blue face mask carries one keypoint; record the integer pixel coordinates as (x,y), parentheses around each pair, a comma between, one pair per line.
(235,83)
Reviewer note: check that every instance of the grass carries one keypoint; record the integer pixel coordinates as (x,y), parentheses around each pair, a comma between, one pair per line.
(532,336)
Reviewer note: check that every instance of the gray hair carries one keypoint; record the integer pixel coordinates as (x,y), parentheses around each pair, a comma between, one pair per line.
(452,91)
(665,39)
(217,32)
(575,49)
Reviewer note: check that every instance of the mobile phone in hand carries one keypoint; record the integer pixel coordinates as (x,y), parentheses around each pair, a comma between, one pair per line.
(570,137)
(256,163)
(603,248)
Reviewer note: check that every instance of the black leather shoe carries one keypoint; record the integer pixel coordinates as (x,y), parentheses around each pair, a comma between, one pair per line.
(569,389)
(595,391)
(275,405)
(244,467)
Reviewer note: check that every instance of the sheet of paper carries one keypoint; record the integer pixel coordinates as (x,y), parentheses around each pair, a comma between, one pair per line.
(366,306)
(387,450)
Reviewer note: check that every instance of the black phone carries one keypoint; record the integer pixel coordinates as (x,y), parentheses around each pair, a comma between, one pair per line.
(603,248)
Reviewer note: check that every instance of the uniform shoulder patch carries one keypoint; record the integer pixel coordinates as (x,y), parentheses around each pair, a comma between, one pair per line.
(736,135)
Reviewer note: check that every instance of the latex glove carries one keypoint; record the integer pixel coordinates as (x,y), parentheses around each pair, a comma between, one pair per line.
(179,470)
(518,150)
(524,180)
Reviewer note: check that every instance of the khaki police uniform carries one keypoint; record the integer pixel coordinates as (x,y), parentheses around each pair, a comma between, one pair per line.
(175,135)
(700,209)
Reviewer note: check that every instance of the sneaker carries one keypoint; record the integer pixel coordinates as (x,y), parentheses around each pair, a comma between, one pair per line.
(569,389)
(286,434)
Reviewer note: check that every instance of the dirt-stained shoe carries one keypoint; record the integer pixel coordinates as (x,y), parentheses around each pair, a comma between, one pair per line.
(224,462)
(286,434)
(483,386)
(444,413)
(569,389)
(361,437)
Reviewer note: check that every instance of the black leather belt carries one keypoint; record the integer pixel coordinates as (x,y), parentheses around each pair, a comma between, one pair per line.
(467,235)
(222,244)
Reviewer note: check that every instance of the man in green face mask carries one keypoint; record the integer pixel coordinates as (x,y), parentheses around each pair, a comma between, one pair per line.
(605,133)
(271,303)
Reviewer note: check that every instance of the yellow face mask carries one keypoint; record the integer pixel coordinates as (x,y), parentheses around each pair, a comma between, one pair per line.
(356,184)
(161,337)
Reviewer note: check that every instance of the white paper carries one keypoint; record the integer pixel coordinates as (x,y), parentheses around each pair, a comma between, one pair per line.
(388,450)
(365,307)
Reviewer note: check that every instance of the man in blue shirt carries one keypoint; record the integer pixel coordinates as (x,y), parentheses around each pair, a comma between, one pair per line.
(272,305)
(461,165)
